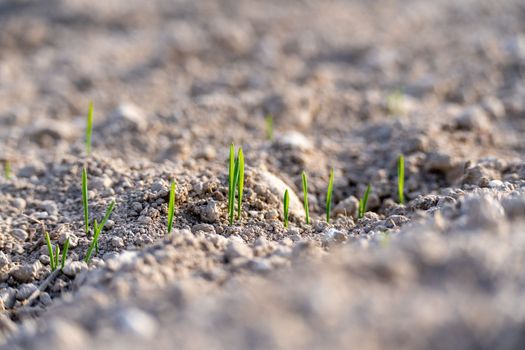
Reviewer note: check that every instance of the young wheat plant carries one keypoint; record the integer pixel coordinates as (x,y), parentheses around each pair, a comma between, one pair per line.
(7,170)
(286,203)
(269,127)
(240,182)
(401,178)
(89,128)
(97,229)
(171,207)
(362,203)
(54,257)
(231,183)
(305,197)
(395,103)
(85,199)
(50,252)
(329,195)
(235,182)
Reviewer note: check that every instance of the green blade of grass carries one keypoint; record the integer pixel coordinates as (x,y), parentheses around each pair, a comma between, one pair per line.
(171,207)
(85,199)
(64,253)
(98,228)
(363,202)
(240,182)
(89,128)
(231,179)
(57,256)
(329,195)
(95,229)
(269,127)
(234,187)
(7,170)
(401,178)
(50,252)
(305,197)
(286,203)
(105,219)
(395,102)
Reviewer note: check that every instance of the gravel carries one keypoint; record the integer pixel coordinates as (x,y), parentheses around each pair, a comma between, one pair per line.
(350,85)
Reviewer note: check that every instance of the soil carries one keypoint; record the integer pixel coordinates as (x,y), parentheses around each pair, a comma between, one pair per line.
(351,85)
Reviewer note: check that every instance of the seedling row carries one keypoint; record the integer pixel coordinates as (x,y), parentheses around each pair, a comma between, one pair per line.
(236,169)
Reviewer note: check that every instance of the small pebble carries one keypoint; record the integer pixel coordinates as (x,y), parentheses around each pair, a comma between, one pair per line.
(203,228)
(237,249)
(210,212)
(25,290)
(7,297)
(73,268)
(27,272)
(19,203)
(496,184)
(50,207)
(137,323)
(73,239)
(45,299)
(4,259)
(117,242)
(19,234)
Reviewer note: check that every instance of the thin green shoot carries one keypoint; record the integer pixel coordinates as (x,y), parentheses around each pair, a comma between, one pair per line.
(234,188)
(89,128)
(171,207)
(57,256)
(97,228)
(305,197)
(362,203)
(401,178)
(240,182)
(54,257)
(64,253)
(269,127)
(286,202)
(231,182)
(235,182)
(395,103)
(329,195)
(85,199)
(7,170)
(50,252)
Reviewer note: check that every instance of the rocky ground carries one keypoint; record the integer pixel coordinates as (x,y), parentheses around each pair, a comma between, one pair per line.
(351,85)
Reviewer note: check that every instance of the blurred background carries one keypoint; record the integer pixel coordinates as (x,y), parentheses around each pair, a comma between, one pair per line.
(302,61)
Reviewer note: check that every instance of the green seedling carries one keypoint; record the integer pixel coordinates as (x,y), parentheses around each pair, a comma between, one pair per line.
(269,127)
(85,199)
(362,203)
(286,202)
(97,229)
(235,182)
(54,257)
(57,256)
(7,170)
(395,103)
(89,128)
(401,178)
(329,195)
(50,252)
(305,198)
(171,207)
(231,183)
(240,182)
